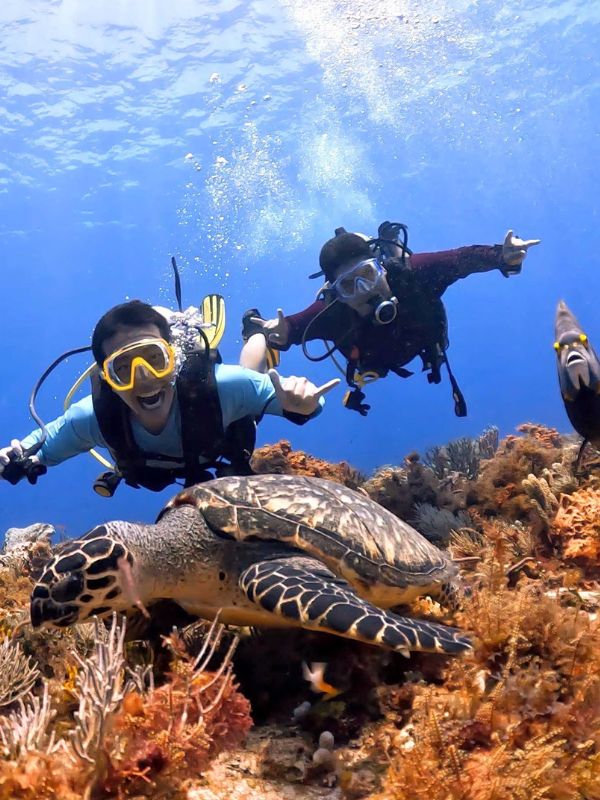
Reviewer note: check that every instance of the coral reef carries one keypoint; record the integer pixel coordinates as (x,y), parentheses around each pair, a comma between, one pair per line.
(462,456)
(519,719)
(499,490)
(437,524)
(402,489)
(164,735)
(17,673)
(85,714)
(126,737)
(24,547)
(281,459)
(577,524)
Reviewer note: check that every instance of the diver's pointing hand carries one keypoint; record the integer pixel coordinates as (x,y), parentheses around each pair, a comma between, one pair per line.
(327,387)
(276,330)
(514,249)
(299,395)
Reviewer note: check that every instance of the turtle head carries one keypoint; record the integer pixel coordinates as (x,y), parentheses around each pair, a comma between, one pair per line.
(87,577)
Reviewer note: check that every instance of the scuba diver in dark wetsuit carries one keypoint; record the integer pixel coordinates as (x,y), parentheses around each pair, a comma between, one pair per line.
(381,306)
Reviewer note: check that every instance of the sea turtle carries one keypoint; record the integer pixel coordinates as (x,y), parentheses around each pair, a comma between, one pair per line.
(263,550)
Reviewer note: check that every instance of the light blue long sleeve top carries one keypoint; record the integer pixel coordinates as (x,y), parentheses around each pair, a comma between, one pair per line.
(242,392)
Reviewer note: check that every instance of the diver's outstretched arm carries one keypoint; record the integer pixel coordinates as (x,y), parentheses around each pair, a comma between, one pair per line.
(76,431)
(309,324)
(440,270)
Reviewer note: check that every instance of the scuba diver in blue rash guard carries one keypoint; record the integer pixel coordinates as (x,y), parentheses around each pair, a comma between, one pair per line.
(164,414)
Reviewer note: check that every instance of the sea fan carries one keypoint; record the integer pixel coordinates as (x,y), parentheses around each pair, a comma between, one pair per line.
(437,524)
(174,731)
(26,729)
(101,691)
(17,673)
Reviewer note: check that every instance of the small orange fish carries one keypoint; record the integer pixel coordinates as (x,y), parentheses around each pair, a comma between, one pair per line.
(315,675)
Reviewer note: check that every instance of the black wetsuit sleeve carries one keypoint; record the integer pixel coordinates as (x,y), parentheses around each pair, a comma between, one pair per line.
(318,321)
(438,271)
(296,418)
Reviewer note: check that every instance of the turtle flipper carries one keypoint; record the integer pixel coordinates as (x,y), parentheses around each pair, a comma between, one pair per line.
(304,591)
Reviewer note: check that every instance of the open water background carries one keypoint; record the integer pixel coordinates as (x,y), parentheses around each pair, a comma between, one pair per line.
(460,118)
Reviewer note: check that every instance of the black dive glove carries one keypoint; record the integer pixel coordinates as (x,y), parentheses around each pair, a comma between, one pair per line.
(508,271)
(249,328)
(353,401)
(23,467)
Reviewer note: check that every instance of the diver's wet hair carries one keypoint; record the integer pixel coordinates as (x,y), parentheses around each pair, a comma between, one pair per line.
(133,314)
(339,250)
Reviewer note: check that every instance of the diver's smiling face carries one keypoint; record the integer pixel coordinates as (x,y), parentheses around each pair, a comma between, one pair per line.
(150,399)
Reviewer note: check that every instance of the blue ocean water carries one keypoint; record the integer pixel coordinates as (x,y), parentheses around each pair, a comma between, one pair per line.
(237,136)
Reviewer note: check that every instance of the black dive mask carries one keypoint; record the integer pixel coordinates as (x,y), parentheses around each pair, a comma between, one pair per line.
(364,287)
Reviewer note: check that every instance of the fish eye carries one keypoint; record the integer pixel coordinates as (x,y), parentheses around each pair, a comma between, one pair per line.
(583,339)
(556,346)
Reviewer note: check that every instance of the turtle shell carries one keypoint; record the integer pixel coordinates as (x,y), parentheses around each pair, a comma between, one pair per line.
(354,536)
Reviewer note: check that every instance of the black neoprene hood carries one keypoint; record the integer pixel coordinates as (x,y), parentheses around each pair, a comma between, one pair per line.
(339,250)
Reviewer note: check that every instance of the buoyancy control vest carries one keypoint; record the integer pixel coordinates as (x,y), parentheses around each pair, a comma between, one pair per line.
(206,444)
(433,336)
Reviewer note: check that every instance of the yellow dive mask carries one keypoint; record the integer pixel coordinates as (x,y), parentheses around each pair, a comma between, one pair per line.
(154,355)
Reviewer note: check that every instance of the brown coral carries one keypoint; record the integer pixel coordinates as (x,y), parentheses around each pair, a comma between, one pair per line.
(499,491)
(174,731)
(547,437)
(38,776)
(281,459)
(577,523)
(126,737)
(402,489)
(519,719)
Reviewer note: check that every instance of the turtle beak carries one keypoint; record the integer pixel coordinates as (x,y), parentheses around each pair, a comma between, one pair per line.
(47,612)
(37,614)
